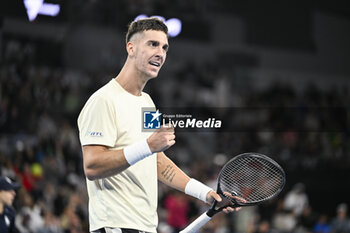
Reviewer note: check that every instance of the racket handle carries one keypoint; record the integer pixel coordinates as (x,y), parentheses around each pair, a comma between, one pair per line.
(196,224)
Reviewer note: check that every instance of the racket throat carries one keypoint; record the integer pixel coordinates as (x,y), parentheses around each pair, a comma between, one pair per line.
(212,212)
(217,207)
(214,209)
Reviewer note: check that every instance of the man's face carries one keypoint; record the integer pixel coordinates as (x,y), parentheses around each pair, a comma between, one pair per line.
(150,50)
(7,196)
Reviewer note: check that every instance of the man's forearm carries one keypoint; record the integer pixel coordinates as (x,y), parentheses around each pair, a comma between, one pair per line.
(170,174)
(173,176)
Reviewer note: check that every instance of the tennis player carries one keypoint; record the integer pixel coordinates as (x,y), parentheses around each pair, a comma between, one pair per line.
(122,164)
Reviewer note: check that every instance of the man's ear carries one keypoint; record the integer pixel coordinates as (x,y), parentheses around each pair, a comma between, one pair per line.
(130,48)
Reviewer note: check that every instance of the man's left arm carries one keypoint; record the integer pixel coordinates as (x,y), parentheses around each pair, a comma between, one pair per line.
(170,174)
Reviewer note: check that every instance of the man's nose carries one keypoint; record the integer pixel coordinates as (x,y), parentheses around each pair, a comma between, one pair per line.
(161,52)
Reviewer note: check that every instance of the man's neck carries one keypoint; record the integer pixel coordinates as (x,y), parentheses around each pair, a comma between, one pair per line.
(131,81)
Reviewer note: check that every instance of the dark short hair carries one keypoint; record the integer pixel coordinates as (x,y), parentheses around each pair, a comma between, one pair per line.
(145,25)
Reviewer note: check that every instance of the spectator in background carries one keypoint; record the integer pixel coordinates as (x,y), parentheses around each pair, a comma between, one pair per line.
(296,200)
(283,220)
(29,217)
(70,219)
(177,207)
(27,177)
(341,223)
(6,167)
(306,220)
(322,225)
(51,224)
(263,226)
(7,213)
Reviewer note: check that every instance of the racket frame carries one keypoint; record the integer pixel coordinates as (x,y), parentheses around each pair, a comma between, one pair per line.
(234,203)
(206,216)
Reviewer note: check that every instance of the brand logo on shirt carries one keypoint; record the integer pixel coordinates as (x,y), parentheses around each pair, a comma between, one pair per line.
(95,134)
(151,119)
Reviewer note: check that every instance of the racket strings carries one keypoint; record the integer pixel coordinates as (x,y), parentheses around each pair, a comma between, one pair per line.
(253,178)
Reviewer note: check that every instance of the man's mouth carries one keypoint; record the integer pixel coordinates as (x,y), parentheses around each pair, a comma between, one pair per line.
(153,63)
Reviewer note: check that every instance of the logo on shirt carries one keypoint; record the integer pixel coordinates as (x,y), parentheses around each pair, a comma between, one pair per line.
(95,134)
(151,119)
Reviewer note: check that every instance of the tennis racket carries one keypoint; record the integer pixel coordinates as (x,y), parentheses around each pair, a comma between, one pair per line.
(247,179)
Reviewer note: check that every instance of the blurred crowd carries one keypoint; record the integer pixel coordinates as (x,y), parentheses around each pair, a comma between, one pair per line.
(40,148)
(291,213)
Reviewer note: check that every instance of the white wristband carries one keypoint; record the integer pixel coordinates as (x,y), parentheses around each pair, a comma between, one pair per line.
(137,151)
(197,189)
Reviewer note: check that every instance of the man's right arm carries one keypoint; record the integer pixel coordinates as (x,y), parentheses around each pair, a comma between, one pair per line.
(101,162)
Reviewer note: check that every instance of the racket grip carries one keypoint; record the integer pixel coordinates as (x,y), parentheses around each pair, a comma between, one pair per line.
(197,224)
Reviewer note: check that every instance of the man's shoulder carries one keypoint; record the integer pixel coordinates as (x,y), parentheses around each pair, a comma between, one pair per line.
(146,95)
(106,92)
(148,98)
(108,87)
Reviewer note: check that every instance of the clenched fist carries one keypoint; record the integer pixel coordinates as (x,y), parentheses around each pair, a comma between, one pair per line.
(162,138)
